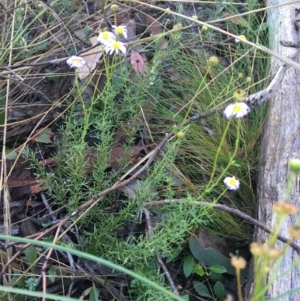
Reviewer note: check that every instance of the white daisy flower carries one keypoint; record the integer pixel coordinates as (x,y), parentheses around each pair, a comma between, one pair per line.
(120,30)
(232,183)
(76,62)
(237,110)
(115,46)
(241,38)
(106,37)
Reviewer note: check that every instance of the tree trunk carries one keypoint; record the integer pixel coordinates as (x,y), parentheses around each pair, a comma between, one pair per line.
(280,142)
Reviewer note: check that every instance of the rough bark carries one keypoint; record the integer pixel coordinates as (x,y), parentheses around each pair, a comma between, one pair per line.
(280,142)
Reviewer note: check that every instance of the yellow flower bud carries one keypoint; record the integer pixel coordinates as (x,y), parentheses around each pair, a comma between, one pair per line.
(256,249)
(213,61)
(168,11)
(180,135)
(177,26)
(239,95)
(204,28)
(238,262)
(272,252)
(294,231)
(283,207)
(115,8)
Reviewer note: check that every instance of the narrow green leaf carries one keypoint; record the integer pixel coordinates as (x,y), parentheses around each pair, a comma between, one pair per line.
(198,269)
(201,289)
(215,276)
(31,256)
(11,154)
(219,290)
(188,265)
(174,255)
(2,110)
(94,294)
(52,274)
(44,136)
(219,269)
(17,280)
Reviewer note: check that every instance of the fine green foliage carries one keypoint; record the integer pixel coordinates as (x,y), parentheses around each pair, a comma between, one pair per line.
(109,122)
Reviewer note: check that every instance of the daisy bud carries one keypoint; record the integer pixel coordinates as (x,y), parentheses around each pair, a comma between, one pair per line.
(213,61)
(256,249)
(115,8)
(294,231)
(177,26)
(238,262)
(180,135)
(272,252)
(285,208)
(239,95)
(294,165)
(168,11)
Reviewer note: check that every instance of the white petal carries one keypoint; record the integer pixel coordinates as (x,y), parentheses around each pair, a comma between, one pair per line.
(123,49)
(244,110)
(228,112)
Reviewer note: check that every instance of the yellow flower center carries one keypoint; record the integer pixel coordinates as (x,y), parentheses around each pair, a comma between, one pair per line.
(233,182)
(116,45)
(105,35)
(76,62)
(237,109)
(120,30)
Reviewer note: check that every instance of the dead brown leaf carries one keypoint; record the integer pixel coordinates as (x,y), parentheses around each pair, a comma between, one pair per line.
(237,20)
(13,183)
(116,154)
(155,29)
(91,58)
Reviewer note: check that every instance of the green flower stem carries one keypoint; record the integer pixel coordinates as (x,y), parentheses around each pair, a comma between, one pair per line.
(191,102)
(260,267)
(290,184)
(217,155)
(278,226)
(85,111)
(239,286)
(210,186)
